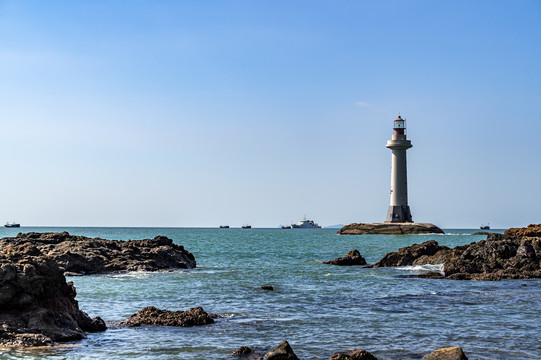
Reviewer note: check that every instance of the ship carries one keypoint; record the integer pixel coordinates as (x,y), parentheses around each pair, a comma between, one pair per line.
(306,224)
(286,226)
(246,226)
(12,225)
(224,226)
(485,227)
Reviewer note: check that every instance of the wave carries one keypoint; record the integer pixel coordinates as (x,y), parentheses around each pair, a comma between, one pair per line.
(428,268)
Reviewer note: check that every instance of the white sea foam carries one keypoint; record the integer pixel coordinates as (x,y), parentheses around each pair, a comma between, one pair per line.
(423,268)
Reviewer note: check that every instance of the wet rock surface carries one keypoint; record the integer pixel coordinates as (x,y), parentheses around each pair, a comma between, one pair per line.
(389,229)
(512,255)
(451,353)
(83,255)
(153,316)
(353,257)
(358,354)
(281,352)
(37,306)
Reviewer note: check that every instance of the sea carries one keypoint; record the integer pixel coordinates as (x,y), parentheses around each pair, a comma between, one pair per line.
(319,309)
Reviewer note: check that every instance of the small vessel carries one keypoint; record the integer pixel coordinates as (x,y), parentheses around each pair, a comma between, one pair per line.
(224,226)
(305,224)
(485,227)
(12,225)
(246,226)
(286,226)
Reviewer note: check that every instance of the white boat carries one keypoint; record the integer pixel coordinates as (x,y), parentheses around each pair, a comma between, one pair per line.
(306,224)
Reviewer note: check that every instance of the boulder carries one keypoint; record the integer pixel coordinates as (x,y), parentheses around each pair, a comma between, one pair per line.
(358,354)
(389,229)
(450,353)
(282,352)
(153,316)
(37,306)
(353,257)
(242,351)
(82,255)
(429,252)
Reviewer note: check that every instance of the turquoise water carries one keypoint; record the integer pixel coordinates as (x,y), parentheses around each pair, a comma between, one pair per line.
(319,309)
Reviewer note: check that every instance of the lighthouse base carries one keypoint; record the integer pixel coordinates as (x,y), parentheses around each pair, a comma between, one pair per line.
(398,214)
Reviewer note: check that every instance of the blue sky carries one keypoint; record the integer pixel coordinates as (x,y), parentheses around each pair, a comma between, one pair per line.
(188,113)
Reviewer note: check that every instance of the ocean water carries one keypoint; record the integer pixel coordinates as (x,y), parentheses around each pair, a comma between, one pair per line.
(319,309)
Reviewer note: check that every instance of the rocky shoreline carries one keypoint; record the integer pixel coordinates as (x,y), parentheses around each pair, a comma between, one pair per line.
(38,306)
(80,255)
(516,254)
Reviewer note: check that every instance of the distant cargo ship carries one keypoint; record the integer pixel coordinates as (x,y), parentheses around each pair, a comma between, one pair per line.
(246,226)
(13,224)
(485,227)
(305,224)
(224,226)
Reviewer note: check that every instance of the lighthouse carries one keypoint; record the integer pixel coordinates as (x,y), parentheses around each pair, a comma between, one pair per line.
(399,210)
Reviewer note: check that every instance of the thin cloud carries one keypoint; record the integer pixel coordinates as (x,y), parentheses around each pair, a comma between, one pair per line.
(362,104)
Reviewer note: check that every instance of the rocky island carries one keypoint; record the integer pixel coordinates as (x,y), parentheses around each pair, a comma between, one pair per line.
(389,228)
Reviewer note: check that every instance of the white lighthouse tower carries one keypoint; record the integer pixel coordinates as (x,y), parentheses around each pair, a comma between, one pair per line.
(399,210)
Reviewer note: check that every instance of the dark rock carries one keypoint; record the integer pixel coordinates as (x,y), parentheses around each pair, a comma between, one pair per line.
(153,316)
(82,255)
(389,229)
(246,352)
(482,233)
(353,257)
(282,352)
(358,354)
(450,353)
(37,306)
(267,287)
(500,256)
(428,252)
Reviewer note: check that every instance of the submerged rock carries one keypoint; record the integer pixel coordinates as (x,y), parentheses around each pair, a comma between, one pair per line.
(353,257)
(153,316)
(37,306)
(450,353)
(83,255)
(500,256)
(282,352)
(358,354)
(389,229)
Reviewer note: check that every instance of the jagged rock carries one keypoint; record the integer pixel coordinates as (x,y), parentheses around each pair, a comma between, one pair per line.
(429,252)
(153,316)
(482,233)
(37,306)
(450,353)
(389,229)
(498,257)
(532,230)
(282,352)
(353,257)
(82,255)
(358,354)
(245,352)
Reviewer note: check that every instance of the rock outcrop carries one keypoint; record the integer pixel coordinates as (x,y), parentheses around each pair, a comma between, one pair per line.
(358,354)
(353,257)
(83,255)
(512,255)
(37,306)
(451,353)
(389,229)
(282,352)
(429,252)
(153,316)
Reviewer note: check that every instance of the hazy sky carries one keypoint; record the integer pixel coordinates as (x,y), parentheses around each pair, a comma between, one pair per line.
(201,113)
